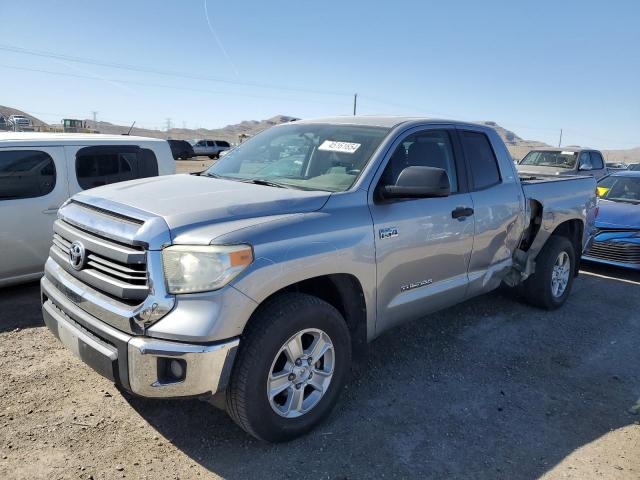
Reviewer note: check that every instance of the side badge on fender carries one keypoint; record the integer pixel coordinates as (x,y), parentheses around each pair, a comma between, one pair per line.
(389,232)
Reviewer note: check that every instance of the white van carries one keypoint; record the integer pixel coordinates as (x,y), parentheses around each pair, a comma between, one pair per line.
(39,171)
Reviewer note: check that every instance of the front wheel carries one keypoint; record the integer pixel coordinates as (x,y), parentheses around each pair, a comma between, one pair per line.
(550,285)
(291,367)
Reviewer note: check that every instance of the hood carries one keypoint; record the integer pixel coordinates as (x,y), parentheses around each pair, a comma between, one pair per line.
(618,215)
(190,200)
(536,170)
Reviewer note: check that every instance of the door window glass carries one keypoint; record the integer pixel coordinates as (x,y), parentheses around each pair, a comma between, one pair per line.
(596,161)
(481,159)
(585,160)
(26,174)
(430,148)
(97,166)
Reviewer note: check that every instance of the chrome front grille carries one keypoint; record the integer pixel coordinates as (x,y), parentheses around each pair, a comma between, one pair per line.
(111,267)
(615,252)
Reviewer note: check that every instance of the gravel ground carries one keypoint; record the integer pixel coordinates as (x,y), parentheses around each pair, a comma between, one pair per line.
(489,389)
(197,164)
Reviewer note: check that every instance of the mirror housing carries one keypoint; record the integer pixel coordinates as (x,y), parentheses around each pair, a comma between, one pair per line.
(419,182)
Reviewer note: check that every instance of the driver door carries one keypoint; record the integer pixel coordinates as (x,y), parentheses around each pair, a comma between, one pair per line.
(423,245)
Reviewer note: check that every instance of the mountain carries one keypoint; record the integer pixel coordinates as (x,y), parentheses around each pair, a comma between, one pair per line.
(6,112)
(229,133)
(518,147)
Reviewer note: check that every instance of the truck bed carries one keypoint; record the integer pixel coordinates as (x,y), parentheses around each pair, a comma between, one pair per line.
(527,179)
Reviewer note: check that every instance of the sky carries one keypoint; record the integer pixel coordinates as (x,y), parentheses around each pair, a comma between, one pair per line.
(533,67)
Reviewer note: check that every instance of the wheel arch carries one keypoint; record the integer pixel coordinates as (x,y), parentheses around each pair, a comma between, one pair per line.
(573,230)
(342,291)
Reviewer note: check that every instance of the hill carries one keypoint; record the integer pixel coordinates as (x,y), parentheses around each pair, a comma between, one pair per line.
(6,112)
(229,133)
(518,147)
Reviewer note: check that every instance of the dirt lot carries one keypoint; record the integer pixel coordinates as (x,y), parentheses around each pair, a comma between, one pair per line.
(489,389)
(197,164)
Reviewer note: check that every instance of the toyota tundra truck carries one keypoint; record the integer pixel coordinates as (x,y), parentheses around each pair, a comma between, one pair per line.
(258,283)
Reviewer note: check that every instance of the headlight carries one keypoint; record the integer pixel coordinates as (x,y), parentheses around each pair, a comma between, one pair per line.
(193,268)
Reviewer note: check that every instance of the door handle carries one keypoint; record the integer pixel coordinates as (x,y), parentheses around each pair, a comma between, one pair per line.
(462,212)
(50,210)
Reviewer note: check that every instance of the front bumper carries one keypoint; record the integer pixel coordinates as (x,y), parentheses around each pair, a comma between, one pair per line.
(137,363)
(633,266)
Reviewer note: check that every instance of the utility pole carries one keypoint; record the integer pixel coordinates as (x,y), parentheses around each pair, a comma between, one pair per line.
(95,119)
(560,141)
(168,126)
(355,103)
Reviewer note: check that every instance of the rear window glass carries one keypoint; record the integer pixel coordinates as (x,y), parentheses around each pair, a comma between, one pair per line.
(480,156)
(222,143)
(103,165)
(26,174)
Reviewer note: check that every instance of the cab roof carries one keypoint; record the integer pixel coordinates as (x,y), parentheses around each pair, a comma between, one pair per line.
(386,121)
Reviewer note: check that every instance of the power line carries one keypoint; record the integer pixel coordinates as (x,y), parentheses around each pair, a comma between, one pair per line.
(135,68)
(173,87)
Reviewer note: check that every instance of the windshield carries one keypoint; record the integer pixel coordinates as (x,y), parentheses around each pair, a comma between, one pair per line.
(556,159)
(308,157)
(620,189)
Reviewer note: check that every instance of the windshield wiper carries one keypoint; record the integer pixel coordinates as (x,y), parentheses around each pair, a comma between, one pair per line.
(268,183)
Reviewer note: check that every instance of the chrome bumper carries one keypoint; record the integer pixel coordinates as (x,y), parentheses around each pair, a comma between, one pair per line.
(137,363)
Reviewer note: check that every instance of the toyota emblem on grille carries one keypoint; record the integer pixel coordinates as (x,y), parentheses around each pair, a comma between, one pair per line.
(76,255)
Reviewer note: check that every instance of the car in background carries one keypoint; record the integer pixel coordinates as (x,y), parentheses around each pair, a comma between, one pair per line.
(210,148)
(181,149)
(563,162)
(19,122)
(40,171)
(3,123)
(634,167)
(614,166)
(617,236)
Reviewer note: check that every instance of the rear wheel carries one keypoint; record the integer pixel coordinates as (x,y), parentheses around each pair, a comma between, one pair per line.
(550,285)
(291,367)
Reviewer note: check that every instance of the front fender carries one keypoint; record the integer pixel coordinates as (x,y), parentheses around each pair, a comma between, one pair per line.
(336,240)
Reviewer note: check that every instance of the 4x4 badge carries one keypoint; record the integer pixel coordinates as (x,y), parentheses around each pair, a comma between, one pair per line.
(389,232)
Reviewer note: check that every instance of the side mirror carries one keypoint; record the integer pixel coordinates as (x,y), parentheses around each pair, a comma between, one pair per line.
(585,167)
(419,182)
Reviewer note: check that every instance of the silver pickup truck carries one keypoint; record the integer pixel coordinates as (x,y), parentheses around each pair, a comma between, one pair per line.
(257,283)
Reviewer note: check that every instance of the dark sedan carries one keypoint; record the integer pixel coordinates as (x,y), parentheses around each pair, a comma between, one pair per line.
(617,239)
(181,149)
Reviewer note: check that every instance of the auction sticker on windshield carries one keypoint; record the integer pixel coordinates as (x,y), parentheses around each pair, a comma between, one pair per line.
(342,147)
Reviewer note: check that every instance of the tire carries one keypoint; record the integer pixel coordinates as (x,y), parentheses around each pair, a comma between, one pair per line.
(280,319)
(539,288)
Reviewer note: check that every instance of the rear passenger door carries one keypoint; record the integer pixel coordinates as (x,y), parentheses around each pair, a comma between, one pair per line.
(33,185)
(498,205)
